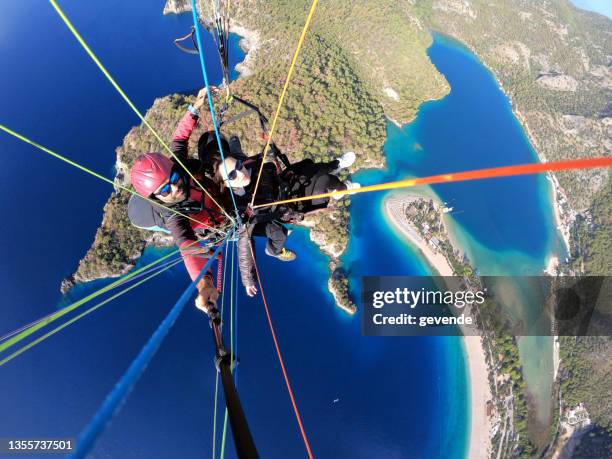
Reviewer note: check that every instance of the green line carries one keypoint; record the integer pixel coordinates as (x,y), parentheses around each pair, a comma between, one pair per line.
(232,280)
(95,174)
(214,439)
(224,435)
(83,314)
(151,270)
(126,98)
(27,332)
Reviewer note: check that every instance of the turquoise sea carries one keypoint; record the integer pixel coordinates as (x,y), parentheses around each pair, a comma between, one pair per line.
(506,226)
(359,397)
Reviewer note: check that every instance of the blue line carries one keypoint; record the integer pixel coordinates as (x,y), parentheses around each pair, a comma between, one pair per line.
(117,397)
(196,25)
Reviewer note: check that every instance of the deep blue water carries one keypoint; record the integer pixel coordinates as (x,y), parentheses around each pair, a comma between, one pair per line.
(395,400)
(506,226)
(474,127)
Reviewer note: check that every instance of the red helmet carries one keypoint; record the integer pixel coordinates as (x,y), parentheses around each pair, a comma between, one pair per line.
(150,171)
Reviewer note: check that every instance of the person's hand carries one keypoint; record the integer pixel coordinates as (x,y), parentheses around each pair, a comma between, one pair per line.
(196,250)
(207,298)
(201,98)
(251,290)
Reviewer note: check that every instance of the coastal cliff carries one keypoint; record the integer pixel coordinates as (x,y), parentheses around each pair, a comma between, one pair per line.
(553,61)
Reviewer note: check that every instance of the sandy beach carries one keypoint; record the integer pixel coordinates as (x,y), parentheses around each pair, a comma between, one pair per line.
(562,220)
(394,212)
(480,425)
(480,393)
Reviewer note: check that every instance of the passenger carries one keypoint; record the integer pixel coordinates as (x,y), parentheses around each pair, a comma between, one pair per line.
(267,224)
(305,178)
(163,180)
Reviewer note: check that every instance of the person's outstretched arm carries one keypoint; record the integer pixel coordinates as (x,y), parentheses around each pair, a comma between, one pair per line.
(246,263)
(180,138)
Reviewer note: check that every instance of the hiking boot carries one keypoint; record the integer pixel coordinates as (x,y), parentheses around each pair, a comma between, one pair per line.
(284,255)
(272,154)
(344,161)
(235,148)
(349,186)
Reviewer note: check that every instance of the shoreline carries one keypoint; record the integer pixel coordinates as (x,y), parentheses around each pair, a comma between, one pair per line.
(480,394)
(563,217)
(393,211)
(478,374)
(249,39)
(250,43)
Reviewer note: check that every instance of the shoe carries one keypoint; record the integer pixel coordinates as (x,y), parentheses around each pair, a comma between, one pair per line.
(344,161)
(272,154)
(284,255)
(349,186)
(235,147)
(270,157)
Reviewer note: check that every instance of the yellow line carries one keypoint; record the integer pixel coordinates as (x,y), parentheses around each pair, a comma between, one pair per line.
(282,97)
(127,99)
(37,326)
(477,174)
(101,177)
(365,189)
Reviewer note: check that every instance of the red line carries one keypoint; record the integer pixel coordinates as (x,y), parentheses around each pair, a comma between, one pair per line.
(220,272)
(504,171)
(280,358)
(519,169)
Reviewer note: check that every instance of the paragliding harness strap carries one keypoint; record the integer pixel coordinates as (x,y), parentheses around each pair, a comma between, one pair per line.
(179,44)
(250,109)
(231,98)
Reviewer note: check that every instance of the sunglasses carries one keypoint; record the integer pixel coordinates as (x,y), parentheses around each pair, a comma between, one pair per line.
(231,175)
(175,177)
